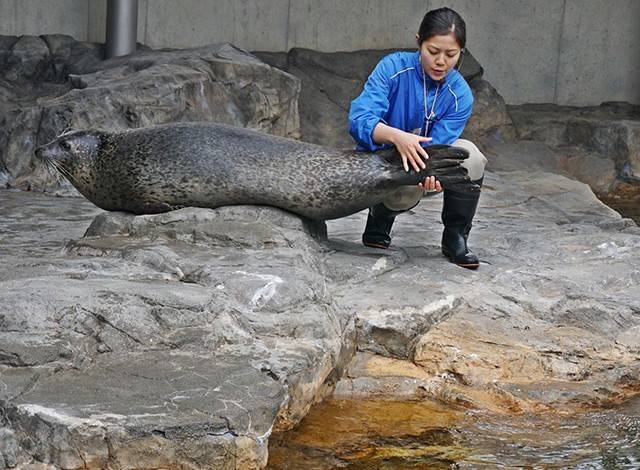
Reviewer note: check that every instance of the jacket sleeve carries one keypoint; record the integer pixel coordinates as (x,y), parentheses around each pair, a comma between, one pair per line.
(371,106)
(449,128)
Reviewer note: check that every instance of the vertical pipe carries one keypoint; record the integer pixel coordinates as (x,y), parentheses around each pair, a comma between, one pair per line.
(122,27)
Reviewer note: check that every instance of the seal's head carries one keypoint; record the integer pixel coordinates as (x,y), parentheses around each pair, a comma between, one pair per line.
(73,155)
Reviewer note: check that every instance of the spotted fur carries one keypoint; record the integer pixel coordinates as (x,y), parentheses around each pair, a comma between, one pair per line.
(161,168)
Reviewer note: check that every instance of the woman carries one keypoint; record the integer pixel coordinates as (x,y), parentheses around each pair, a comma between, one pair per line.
(415,98)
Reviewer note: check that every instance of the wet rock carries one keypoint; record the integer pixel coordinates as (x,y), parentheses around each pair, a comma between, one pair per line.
(333,436)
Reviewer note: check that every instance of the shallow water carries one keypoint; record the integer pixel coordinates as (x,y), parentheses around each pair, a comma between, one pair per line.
(368,434)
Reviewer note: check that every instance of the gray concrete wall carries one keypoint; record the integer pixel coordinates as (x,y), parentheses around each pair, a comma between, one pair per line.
(35,17)
(576,52)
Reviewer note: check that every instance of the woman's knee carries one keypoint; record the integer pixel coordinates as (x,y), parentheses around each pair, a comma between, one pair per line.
(476,162)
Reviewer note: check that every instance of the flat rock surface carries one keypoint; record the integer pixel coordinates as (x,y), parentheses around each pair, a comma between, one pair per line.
(185,339)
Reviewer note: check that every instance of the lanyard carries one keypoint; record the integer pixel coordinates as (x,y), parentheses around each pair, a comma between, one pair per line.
(428,117)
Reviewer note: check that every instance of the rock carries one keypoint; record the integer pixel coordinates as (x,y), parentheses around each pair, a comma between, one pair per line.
(71,58)
(186,338)
(27,60)
(237,226)
(470,68)
(9,450)
(384,329)
(490,115)
(190,297)
(55,83)
(590,168)
(571,161)
(190,410)
(530,323)
(598,145)
(618,139)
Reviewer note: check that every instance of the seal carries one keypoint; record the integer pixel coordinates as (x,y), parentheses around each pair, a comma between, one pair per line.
(200,164)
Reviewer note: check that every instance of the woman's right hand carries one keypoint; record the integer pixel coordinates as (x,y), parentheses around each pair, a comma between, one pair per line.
(410,149)
(407,144)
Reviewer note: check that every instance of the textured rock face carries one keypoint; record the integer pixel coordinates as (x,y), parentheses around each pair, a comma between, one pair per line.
(597,145)
(52,83)
(330,81)
(549,322)
(185,339)
(490,118)
(210,329)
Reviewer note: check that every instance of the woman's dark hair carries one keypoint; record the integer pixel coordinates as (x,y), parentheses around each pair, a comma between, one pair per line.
(440,22)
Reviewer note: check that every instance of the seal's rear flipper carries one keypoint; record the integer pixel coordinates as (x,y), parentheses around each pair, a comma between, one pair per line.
(459,184)
(444,161)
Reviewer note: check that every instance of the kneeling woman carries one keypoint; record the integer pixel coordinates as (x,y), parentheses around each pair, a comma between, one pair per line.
(416,98)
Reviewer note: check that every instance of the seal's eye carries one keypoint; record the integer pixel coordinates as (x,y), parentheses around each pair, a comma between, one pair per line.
(65,145)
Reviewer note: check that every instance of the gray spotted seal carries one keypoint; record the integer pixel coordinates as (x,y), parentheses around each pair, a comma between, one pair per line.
(161,168)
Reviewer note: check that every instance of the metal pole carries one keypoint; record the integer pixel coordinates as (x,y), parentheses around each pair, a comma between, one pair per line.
(122,27)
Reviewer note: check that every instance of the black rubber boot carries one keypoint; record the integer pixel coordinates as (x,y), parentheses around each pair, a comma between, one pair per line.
(457,216)
(377,232)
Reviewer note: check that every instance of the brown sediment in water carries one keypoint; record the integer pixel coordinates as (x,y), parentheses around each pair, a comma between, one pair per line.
(624,197)
(627,207)
(384,434)
(370,434)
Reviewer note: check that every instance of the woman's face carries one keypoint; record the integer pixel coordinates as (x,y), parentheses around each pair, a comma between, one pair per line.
(439,54)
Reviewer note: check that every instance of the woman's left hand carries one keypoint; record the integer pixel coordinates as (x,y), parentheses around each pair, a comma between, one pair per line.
(431,184)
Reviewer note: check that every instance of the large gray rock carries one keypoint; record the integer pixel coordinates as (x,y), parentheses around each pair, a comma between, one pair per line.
(185,339)
(180,339)
(617,139)
(598,145)
(52,83)
(27,61)
(537,327)
(490,118)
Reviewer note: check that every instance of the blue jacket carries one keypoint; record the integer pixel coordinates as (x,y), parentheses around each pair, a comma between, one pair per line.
(394,94)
